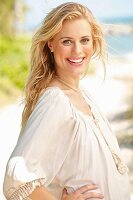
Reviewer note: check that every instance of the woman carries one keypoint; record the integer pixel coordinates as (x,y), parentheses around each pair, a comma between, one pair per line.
(66,150)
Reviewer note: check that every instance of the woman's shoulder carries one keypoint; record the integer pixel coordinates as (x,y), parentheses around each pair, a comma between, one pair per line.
(53,97)
(52,93)
(52,103)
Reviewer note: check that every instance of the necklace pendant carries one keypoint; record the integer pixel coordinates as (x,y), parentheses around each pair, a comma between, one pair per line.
(122,168)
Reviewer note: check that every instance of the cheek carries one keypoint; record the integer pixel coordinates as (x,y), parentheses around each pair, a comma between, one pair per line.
(61,52)
(89,50)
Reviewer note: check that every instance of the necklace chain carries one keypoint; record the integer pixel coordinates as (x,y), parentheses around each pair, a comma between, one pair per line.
(67,85)
(121,167)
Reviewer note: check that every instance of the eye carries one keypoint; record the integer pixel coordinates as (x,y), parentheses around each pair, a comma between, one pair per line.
(85,41)
(67,42)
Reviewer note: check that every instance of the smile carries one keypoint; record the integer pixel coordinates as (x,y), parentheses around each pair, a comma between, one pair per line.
(77,60)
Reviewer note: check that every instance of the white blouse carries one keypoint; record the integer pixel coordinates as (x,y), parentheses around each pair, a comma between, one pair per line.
(62,147)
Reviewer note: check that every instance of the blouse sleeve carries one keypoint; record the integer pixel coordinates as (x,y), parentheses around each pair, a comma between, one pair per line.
(42,147)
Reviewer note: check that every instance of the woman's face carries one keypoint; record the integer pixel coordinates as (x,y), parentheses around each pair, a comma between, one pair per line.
(72,47)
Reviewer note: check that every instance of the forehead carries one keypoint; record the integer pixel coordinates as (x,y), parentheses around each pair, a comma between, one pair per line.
(75,28)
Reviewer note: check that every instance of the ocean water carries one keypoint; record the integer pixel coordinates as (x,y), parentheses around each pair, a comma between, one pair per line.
(118,20)
(119,45)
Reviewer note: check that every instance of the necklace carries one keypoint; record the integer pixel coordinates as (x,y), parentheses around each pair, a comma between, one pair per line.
(68,85)
(78,91)
(120,165)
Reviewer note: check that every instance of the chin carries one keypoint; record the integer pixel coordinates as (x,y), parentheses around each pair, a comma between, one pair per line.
(78,74)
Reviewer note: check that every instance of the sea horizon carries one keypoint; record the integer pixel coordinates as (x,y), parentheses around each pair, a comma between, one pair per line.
(31,25)
(117,19)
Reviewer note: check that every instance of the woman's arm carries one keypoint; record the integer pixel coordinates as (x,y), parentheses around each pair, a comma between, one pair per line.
(84,192)
(42,193)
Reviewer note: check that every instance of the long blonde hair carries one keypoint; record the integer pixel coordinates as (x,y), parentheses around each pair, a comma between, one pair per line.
(42,62)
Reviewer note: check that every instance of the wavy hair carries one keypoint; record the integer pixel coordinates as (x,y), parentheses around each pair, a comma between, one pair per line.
(42,62)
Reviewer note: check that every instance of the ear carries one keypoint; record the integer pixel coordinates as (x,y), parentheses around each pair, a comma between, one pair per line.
(50,45)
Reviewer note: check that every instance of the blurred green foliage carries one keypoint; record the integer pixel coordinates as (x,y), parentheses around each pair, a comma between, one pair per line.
(14,62)
(6,16)
(14,49)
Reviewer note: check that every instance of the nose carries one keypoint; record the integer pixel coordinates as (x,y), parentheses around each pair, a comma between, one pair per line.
(77,48)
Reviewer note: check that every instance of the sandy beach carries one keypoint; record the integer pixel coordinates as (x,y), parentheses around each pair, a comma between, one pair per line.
(114,97)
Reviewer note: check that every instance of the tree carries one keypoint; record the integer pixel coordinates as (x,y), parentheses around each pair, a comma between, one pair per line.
(11,13)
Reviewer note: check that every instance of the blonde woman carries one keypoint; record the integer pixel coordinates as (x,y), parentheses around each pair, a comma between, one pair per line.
(66,150)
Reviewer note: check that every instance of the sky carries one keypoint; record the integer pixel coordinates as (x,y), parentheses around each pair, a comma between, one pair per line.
(37,9)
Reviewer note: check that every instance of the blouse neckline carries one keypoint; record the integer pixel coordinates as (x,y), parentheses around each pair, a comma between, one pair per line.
(87,116)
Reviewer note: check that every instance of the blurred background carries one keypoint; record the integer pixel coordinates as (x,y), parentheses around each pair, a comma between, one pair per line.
(19,19)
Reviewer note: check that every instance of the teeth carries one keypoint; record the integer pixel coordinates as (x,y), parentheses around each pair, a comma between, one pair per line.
(76,60)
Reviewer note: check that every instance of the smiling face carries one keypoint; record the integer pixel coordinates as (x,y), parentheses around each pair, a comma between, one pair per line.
(72,48)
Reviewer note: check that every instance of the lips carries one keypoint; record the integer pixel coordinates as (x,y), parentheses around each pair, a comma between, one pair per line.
(75,60)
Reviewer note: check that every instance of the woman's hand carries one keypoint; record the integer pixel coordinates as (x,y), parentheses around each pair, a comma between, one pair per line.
(82,193)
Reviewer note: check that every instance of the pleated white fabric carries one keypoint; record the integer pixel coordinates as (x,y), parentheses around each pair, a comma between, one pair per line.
(65,148)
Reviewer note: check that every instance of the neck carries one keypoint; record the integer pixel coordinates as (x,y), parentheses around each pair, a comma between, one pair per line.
(70,83)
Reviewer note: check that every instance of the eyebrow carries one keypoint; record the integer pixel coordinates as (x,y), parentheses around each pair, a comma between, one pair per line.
(66,37)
